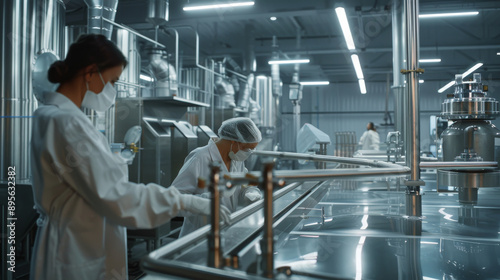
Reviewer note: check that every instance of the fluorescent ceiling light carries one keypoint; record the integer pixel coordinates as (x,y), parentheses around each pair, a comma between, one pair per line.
(472,69)
(289,61)
(357,66)
(498,53)
(146,78)
(273,18)
(420,81)
(315,83)
(464,74)
(448,14)
(430,60)
(446,86)
(218,6)
(362,86)
(344,24)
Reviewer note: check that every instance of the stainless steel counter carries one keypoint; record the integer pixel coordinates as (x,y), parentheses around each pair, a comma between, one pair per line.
(354,230)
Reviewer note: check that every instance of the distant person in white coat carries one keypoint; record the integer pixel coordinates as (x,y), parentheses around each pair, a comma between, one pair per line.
(370,139)
(80,187)
(238,138)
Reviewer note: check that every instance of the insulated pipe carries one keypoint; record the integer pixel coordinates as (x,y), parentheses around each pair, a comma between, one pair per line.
(398,58)
(98,10)
(275,69)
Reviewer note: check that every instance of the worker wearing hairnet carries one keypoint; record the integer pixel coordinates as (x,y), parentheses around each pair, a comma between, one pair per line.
(237,139)
(81,188)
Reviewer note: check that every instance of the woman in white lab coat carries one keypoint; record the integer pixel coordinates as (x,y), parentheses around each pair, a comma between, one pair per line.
(238,138)
(370,139)
(80,187)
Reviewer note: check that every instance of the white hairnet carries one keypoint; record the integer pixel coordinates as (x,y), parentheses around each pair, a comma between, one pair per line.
(242,130)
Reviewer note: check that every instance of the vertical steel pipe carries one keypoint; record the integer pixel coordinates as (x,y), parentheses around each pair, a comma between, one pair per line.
(398,58)
(267,242)
(214,240)
(412,56)
(413,196)
(97,10)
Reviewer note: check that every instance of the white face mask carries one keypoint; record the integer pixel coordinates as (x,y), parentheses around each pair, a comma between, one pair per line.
(241,155)
(102,101)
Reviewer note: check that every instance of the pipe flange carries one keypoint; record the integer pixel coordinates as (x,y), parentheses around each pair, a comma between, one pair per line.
(486,179)
(470,108)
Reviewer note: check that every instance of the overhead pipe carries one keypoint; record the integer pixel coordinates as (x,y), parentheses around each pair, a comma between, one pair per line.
(296,80)
(413,195)
(197,55)
(98,10)
(133,32)
(176,48)
(398,59)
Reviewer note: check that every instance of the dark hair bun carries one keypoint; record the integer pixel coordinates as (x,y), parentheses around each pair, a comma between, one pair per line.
(58,72)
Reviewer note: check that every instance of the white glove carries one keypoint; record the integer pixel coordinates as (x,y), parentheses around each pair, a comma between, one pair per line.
(228,192)
(200,205)
(252,194)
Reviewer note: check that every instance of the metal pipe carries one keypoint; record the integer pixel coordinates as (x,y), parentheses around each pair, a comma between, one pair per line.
(398,58)
(462,165)
(197,55)
(267,242)
(214,240)
(237,74)
(412,56)
(413,196)
(176,49)
(133,32)
(326,158)
(320,174)
(469,138)
(30,31)
(98,11)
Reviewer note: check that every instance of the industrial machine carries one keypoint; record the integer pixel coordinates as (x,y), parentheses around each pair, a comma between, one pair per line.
(310,225)
(470,138)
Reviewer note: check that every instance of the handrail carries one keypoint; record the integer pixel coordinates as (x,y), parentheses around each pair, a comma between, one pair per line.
(132,31)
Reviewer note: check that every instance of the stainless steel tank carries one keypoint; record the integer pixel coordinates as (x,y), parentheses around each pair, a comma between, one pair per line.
(127,43)
(484,139)
(470,138)
(30,28)
(469,106)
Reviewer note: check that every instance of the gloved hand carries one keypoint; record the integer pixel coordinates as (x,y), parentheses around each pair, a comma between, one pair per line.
(252,194)
(200,205)
(228,192)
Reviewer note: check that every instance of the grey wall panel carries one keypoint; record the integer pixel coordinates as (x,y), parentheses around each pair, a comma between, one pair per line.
(341,107)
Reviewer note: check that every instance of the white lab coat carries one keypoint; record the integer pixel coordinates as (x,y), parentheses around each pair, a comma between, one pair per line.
(369,140)
(85,201)
(196,165)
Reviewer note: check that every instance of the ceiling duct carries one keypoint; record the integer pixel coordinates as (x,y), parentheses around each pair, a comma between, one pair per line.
(157,12)
(99,9)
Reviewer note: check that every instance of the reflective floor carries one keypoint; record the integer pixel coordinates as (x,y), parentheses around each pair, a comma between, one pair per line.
(356,230)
